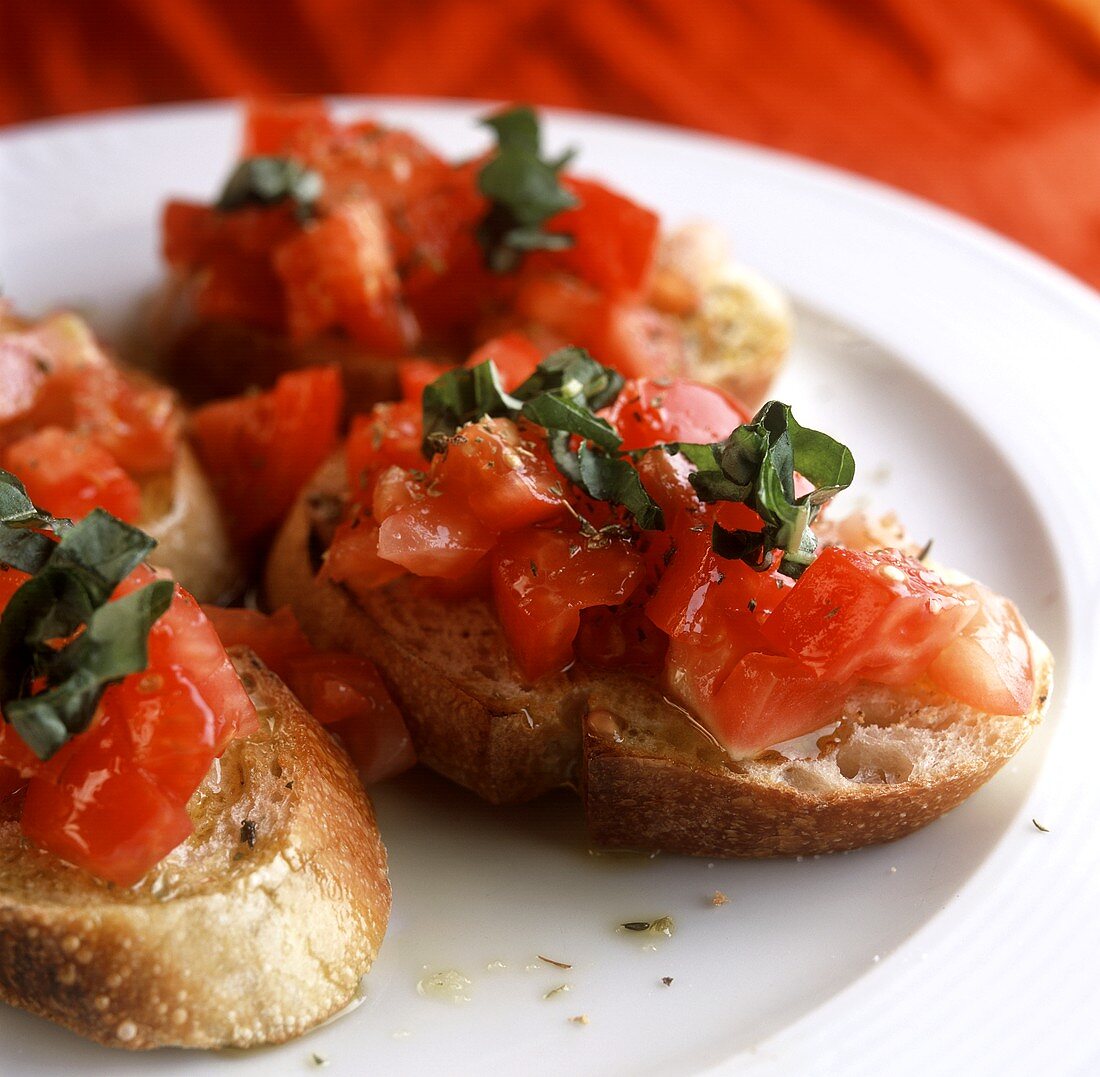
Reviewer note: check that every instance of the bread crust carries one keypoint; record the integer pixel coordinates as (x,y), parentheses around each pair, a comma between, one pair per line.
(228,942)
(649,776)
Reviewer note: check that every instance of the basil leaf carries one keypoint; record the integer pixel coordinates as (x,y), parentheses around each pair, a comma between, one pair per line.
(523,191)
(113,645)
(266,181)
(461,396)
(614,479)
(16,508)
(573,373)
(558,413)
(756,465)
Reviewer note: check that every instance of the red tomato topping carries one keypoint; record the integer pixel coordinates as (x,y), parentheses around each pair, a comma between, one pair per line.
(260,449)
(541,582)
(989,666)
(434,537)
(881,616)
(514,356)
(415,375)
(273,125)
(614,239)
(652,411)
(389,435)
(342,691)
(69,475)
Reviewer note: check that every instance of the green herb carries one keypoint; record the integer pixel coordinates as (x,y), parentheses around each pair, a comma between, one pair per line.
(666,980)
(556,964)
(562,396)
(637,925)
(266,181)
(71,582)
(524,192)
(1039,826)
(755,465)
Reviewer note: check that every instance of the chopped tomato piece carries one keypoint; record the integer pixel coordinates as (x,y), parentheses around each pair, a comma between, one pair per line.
(346,695)
(505,484)
(614,239)
(338,272)
(260,449)
(989,666)
(415,375)
(514,356)
(276,638)
(637,340)
(651,411)
(389,435)
(69,475)
(274,125)
(353,557)
(623,638)
(541,582)
(881,616)
(395,489)
(434,537)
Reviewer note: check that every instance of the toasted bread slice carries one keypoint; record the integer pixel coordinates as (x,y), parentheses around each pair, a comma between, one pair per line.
(244,935)
(180,511)
(650,776)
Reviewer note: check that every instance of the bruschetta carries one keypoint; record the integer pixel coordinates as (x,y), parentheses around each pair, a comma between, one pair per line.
(188,859)
(629,588)
(84,432)
(356,244)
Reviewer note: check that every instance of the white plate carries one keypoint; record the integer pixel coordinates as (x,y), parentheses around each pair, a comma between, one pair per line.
(958,367)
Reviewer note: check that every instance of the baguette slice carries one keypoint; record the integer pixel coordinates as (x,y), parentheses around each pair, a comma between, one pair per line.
(651,778)
(228,942)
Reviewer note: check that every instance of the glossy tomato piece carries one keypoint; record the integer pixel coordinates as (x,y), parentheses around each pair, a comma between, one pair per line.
(389,435)
(338,273)
(69,475)
(541,582)
(353,558)
(655,411)
(415,375)
(622,638)
(259,449)
(767,699)
(881,616)
(434,537)
(989,666)
(614,238)
(514,355)
(275,125)
(395,489)
(102,814)
(638,341)
(346,695)
(276,637)
(505,484)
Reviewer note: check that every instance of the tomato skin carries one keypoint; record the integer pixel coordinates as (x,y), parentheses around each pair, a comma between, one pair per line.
(651,411)
(276,638)
(273,125)
(346,695)
(259,450)
(504,484)
(882,616)
(69,475)
(989,665)
(390,434)
(353,558)
(415,375)
(514,355)
(541,582)
(614,238)
(434,537)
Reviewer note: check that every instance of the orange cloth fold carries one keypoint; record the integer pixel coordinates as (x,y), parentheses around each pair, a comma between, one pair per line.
(991,107)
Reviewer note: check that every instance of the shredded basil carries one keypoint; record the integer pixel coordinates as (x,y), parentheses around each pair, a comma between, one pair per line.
(524,192)
(49,693)
(266,181)
(755,465)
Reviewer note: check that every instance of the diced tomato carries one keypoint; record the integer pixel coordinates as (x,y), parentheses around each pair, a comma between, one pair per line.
(623,638)
(415,375)
(766,700)
(22,374)
(276,638)
(353,559)
(338,272)
(989,666)
(541,582)
(638,341)
(881,616)
(389,435)
(272,126)
(395,489)
(651,411)
(514,356)
(260,449)
(504,484)
(346,695)
(103,815)
(69,475)
(570,308)
(434,537)
(614,239)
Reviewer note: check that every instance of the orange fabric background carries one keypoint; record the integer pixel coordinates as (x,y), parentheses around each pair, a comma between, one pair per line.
(991,107)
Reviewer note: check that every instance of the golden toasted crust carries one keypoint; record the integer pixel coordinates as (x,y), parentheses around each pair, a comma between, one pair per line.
(228,942)
(180,511)
(650,777)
